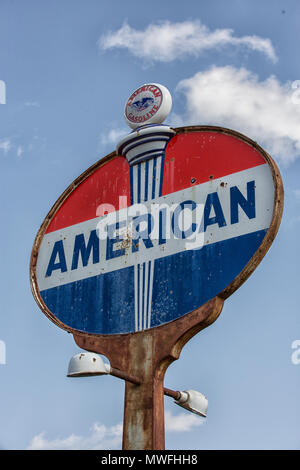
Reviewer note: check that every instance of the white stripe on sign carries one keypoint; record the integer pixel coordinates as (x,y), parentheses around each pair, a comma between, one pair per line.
(142,186)
(151,263)
(145,306)
(226,211)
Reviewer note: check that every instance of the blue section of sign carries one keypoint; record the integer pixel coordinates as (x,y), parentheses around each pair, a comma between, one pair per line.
(76,304)
(199,275)
(182,283)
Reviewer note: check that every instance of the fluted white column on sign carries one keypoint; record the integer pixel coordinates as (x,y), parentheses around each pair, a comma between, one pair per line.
(144,149)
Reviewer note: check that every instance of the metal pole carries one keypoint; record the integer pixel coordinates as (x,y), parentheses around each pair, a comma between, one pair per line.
(132,379)
(171,393)
(144,427)
(122,375)
(145,357)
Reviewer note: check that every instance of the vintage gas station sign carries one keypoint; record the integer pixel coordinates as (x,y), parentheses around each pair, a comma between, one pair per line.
(140,266)
(141,250)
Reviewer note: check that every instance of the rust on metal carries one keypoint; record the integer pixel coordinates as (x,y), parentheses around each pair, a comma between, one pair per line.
(172,393)
(134,380)
(122,375)
(147,355)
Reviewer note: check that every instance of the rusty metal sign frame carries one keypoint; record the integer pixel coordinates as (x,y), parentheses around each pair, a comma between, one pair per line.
(147,354)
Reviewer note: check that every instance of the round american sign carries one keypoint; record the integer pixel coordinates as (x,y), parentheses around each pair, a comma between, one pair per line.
(133,246)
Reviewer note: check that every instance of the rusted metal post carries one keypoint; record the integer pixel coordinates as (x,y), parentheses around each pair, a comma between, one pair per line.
(146,357)
(144,427)
(122,375)
(144,404)
(144,413)
(132,379)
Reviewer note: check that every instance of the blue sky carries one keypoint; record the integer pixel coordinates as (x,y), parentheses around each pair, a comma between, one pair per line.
(69,67)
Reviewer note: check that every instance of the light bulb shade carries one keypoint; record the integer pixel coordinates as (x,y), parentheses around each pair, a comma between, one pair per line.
(85,364)
(193,401)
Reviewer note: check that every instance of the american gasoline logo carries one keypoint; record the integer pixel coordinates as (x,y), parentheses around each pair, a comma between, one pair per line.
(143,104)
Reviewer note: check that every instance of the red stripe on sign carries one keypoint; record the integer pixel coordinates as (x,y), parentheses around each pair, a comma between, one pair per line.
(196,157)
(97,195)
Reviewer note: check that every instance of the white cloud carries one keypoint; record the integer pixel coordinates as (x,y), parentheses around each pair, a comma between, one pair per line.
(166,41)
(101,437)
(20,151)
(5,145)
(105,437)
(182,422)
(236,98)
(113,136)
